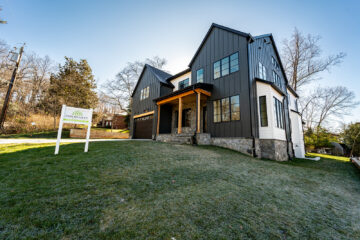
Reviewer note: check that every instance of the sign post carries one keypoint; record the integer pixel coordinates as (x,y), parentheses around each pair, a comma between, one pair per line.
(76,116)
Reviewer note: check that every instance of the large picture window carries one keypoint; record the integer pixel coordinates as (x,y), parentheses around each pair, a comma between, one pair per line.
(200,75)
(263,111)
(279,113)
(183,84)
(227,109)
(217,111)
(235,107)
(227,65)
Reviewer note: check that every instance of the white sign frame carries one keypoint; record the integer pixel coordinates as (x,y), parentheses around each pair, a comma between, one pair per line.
(74,119)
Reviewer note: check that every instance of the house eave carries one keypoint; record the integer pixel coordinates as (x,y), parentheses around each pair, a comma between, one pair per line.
(273,85)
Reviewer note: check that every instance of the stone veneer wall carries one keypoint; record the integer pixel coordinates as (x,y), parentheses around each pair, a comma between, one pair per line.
(192,127)
(264,148)
(274,149)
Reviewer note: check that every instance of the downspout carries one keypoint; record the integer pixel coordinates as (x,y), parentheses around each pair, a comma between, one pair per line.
(289,126)
(250,94)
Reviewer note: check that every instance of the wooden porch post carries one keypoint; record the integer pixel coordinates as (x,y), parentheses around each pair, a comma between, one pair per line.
(198,112)
(180,115)
(158,120)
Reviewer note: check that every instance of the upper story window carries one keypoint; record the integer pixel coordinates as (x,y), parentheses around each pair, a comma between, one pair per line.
(183,84)
(217,70)
(279,113)
(234,62)
(276,79)
(227,109)
(200,75)
(144,93)
(226,65)
(262,71)
(296,105)
(275,63)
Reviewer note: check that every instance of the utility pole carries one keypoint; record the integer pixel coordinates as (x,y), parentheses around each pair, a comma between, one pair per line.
(8,94)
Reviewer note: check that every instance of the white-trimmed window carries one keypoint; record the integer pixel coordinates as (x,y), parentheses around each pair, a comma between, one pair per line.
(262,71)
(275,63)
(144,93)
(276,79)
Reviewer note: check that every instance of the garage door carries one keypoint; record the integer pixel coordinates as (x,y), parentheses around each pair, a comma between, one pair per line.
(143,127)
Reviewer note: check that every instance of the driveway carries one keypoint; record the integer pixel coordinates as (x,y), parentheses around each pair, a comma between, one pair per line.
(53,140)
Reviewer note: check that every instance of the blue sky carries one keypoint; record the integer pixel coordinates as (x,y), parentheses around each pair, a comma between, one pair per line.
(110,33)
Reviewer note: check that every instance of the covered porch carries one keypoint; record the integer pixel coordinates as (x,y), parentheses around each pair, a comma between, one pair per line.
(183,112)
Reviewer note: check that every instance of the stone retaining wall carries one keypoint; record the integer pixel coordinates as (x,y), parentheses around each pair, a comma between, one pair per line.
(97,134)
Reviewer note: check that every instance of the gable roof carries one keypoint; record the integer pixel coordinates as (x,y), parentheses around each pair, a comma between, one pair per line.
(178,74)
(159,74)
(214,25)
(269,35)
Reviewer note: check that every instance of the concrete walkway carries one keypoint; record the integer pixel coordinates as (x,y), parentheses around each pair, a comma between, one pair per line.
(53,140)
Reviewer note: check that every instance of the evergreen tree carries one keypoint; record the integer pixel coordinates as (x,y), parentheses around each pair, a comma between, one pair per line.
(73,85)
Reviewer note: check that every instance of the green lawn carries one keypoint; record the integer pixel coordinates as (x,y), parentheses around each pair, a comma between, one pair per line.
(49,134)
(150,190)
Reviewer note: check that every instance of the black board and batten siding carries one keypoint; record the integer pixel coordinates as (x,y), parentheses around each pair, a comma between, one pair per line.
(262,50)
(220,44)
(145,105)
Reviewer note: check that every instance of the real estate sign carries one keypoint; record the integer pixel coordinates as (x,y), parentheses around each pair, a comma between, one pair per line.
(76,116)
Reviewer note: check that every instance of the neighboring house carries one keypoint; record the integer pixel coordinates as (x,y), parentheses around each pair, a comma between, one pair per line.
(114,121)
(234,94)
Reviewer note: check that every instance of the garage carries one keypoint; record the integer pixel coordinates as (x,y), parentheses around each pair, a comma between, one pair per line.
(143,127)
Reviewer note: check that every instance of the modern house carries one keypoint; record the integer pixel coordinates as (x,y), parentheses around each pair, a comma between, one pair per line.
(234,94)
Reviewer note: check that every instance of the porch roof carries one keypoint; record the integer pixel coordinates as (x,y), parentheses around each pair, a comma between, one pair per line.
(202,87)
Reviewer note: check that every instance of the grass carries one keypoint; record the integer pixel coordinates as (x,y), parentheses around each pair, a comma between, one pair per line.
(339,158)
(151,190)
(47,134)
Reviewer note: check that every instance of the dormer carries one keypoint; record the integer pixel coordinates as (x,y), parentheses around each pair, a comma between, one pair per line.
(181,79)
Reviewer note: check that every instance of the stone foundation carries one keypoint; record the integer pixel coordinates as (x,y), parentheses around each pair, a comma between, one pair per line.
(264,148)
(176,138)
(243,145)
(203,138)
(274,149)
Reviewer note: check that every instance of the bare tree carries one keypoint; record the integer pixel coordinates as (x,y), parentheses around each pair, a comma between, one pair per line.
(119,90)
(303,60)
(327,103)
